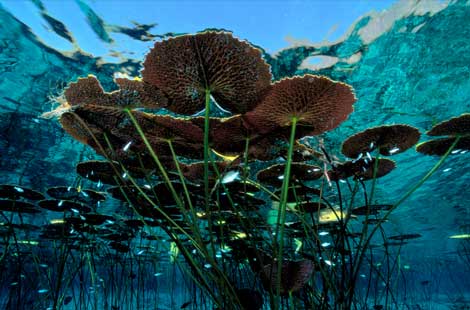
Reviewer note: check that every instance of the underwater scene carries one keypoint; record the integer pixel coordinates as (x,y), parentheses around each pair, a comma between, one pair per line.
(234,154)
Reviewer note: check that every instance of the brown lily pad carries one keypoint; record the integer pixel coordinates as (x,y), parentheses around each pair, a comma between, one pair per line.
(362,169)
(455,126)
(72,193)
(274,174)
(318,103)
(184,67)
(389,140)
(439,147)
(294,276)
(58,205)
(9,205)
(16,191)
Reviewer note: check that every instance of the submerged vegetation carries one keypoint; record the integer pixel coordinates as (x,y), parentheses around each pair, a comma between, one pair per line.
(244,208)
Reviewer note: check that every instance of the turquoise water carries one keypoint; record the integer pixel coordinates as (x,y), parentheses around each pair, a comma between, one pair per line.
(408,64)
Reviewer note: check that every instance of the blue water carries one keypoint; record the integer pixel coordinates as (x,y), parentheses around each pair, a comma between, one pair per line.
(407,64)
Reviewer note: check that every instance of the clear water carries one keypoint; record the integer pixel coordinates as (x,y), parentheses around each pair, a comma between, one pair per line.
(408,63)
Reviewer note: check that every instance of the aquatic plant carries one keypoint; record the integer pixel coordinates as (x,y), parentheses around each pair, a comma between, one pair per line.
(301,232)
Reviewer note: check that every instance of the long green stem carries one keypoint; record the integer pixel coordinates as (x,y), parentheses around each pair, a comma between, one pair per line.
(374,179)
(245,163)
(155,158)
(206,166)
(263,189)
(283,207)
(167,180)
(194,225)
(402,199)
(206,149)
